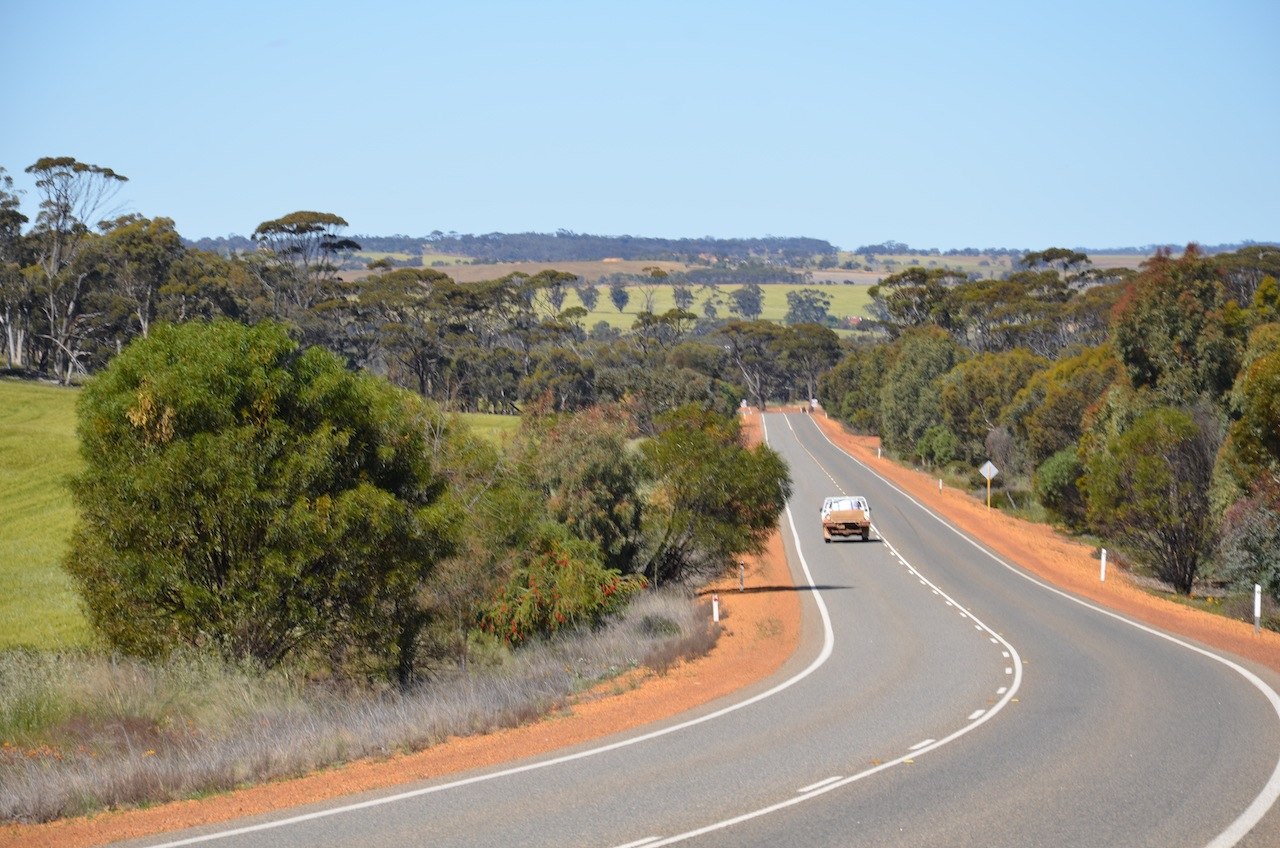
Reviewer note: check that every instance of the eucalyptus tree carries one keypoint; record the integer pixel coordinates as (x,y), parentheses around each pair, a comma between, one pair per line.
(588,294)
(752,347)
(139,254)
(297,265)
(747,301)
(72,195)
(17,298)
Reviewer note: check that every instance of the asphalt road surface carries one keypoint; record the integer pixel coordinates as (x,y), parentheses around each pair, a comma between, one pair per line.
(940,698)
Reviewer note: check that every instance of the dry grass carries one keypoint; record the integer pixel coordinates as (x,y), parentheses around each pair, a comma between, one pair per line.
(82,733)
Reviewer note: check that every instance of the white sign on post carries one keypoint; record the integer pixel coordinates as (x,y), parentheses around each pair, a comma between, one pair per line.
(988,470)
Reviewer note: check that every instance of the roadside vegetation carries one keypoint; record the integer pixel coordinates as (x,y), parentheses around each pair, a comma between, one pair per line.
(83,733)
(1135,407)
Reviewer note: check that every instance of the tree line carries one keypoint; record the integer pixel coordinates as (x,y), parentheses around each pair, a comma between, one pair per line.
(271,472)
(1140,404)
(567,246)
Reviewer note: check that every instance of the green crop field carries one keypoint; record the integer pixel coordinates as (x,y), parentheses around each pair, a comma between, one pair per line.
(38,607)
(845,300)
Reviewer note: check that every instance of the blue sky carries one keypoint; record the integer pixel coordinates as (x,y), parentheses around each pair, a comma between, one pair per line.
(1017,124)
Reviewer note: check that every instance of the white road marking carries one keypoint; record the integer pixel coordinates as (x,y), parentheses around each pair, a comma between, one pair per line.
(1002,690)
(919,745)
(646,841)
(976,714)
(818,785)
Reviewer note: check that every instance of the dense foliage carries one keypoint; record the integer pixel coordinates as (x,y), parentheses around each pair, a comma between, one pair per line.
(1139,405)
(244,495)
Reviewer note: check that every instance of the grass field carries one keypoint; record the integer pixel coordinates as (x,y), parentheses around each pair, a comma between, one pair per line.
(845,300)
(495,428)
(37,454)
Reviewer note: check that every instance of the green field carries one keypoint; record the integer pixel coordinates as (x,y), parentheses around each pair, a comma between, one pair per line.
(495,428)
(37,454)
(845,300)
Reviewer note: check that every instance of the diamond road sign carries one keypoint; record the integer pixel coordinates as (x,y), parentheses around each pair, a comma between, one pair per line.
(988,470)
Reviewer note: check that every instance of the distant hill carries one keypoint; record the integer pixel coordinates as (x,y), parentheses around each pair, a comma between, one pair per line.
(565,246)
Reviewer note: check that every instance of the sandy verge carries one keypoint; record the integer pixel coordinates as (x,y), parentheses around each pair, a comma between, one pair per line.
(761,631)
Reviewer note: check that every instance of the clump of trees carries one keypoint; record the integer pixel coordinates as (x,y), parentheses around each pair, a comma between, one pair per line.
(1140,405)
(248,495)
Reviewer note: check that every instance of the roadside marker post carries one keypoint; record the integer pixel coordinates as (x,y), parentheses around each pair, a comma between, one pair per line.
(742,575)
(1257,608)
(1102,575)
(715,608)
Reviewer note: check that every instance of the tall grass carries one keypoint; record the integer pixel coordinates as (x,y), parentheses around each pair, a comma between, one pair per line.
(81,733)
(38,606)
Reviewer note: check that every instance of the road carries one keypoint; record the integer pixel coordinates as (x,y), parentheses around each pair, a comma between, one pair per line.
(940,697)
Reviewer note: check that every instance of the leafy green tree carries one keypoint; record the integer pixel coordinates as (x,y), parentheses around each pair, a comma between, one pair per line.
(1150,488)
(975,393)
(805,352)
(752,347)
(244,496)
(914,297)
(1056,257)
(911,393)
(938,446)
(1266,300)
(851,389)
(17,297)
(619,296)
(203,286)
(1252,453)
(1055,485)
(808,306)
(747,301)
(139,254)
(1046,415)
(712,498)
(590,478)
(589,295)
(1176,332)
(72,195)
(300,255)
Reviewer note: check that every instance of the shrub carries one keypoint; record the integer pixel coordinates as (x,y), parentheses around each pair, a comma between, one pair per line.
(1054,485)
(560,583)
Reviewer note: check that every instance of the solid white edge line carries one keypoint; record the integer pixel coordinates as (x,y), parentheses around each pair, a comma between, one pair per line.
(828,645)
(646,841)
(919,745)
(1252,814)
